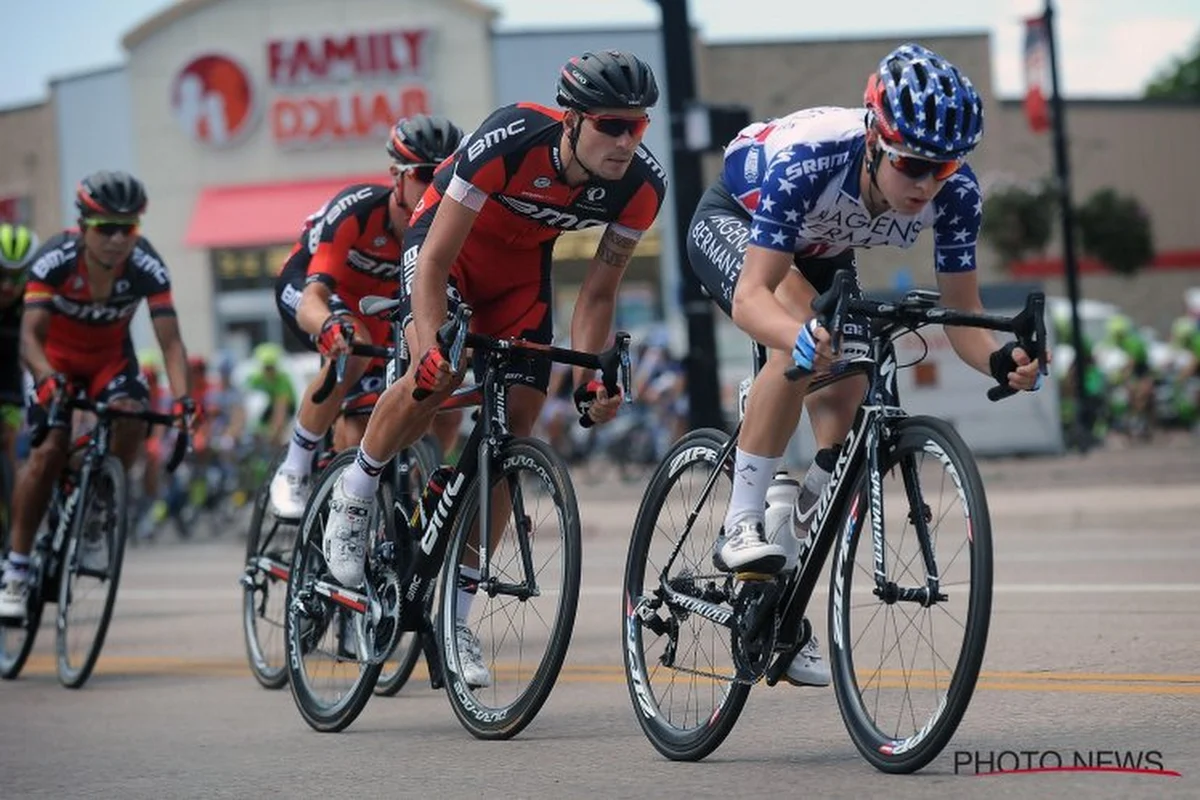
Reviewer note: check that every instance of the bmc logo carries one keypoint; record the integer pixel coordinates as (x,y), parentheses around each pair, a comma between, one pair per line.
(212,99)
(495,136)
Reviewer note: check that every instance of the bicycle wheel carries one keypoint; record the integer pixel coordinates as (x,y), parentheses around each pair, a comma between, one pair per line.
(337,639)
(91,571)
(903,670)
(264,589)
(16,641)
(523,609)
(421,460)
(679,666)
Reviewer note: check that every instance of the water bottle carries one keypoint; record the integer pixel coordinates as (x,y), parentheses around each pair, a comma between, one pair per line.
(777,521)
(430,496)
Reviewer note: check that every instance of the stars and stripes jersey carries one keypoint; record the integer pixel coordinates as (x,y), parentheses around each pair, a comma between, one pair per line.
(798,176)
(84,325)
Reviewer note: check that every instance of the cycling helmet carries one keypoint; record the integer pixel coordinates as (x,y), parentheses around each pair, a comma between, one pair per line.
(116,194)
(17,246)
(423,139)
(921,101)
(268,354)
(1183,329)
(606,79)
(1118,325)
(197,363)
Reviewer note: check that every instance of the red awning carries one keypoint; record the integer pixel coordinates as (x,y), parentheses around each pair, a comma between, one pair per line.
(252,214)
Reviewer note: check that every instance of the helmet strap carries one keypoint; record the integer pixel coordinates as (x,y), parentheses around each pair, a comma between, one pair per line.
(573,140)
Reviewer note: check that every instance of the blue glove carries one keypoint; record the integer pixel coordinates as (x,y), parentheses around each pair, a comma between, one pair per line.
(805,349)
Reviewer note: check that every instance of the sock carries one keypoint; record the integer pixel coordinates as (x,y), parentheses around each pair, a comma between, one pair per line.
(300,451)
(361,478)
(468,583)
(17,567)
(751,477)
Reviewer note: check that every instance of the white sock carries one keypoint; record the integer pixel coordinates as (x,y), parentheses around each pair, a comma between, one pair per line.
(751,477)
(361,478)
(301,447)
(16,568)
(468,575)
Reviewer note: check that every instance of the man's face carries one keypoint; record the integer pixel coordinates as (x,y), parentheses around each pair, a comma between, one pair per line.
(109,241)
(608,138)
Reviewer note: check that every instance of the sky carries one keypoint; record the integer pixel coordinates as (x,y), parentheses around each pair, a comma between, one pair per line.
(1108,48)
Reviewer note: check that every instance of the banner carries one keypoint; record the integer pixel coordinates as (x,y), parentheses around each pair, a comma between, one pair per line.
(1037,74)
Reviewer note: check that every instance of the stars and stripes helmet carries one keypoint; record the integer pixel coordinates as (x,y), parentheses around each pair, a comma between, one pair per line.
(921,101)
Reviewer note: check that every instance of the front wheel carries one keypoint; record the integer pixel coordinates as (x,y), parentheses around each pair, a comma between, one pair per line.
(91,572)
(904,662)
(507,617)
(679,666)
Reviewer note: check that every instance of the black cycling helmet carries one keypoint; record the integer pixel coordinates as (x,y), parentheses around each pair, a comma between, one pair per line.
(423,139)
(606,79)
(117,194)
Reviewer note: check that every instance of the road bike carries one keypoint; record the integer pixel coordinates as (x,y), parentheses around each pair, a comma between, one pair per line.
(77,555)
(523,599)
(904,516)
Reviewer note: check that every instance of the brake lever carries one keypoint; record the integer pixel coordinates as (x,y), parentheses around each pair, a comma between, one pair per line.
(1030,328)
(454,331)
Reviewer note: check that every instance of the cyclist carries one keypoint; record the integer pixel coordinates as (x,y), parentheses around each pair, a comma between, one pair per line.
(483,234)
(796,196)
(17,246)
(350,248)
(1135,373)
(83,290)
(277,386)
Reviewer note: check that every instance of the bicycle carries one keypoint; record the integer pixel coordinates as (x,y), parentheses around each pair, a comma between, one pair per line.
(696,640)
(269,551)
(529,572)
(77,555)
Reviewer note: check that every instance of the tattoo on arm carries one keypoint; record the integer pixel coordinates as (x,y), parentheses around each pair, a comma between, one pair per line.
(615,249)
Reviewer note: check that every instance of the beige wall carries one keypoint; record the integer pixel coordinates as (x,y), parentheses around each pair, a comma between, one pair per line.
(29,163)
(176,168)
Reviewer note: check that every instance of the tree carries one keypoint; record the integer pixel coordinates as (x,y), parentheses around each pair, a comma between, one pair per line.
(1115,230)
(1019,220)
(1179,80)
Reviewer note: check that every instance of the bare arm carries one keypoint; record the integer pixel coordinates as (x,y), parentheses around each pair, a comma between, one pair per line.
(448,232)
(35,324)
(960,290)
(166,328)
(592,319)
(756,310)
(314,308)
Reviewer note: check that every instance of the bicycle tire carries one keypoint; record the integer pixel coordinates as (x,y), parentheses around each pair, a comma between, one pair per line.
(304,629)
(423,457)
(16,641)
(110,475)
(693,731)
(500,711)
(889,750)
(265,573)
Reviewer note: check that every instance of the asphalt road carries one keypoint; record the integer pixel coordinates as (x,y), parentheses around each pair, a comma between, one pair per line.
(1093,650)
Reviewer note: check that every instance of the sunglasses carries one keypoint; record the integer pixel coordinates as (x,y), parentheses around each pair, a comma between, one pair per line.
(918,168)
(108,227)
(419,172)
(619,126)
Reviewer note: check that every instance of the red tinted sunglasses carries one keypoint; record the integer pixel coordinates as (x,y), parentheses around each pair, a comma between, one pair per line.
(917,168)
(615,126)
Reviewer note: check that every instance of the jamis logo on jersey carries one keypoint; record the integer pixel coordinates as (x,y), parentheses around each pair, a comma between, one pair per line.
(494,136)
(553,217)
(212,99)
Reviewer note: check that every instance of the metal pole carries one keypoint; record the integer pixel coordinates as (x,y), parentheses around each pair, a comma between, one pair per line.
(687,184)
(1083,416)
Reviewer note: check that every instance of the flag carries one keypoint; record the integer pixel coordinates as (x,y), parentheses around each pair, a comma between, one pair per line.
(1037,74)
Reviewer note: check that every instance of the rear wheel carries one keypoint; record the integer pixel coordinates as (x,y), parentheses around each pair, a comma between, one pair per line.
(904,670)
(679,666)
(91,572)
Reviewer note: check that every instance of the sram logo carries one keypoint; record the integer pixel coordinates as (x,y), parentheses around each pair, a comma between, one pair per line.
(553,217)
(494,136)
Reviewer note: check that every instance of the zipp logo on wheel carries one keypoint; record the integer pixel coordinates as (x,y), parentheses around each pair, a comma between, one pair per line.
(212,99)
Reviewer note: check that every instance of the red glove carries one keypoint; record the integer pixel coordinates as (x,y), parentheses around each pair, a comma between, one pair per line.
(337,332)
(586,395)
(429,368)
(188,412)
(49,387)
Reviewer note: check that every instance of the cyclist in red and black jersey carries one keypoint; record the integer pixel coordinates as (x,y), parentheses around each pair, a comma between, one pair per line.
(483,234)
(82,292)
(350,248)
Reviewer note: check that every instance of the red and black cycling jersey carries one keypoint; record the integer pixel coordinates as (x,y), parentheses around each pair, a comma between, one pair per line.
(348,244)
(81,325)
(514,159)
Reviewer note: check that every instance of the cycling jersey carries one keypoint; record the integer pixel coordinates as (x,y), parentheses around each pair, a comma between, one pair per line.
(509,170)
(795,181)
(275,385)
(88,338)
